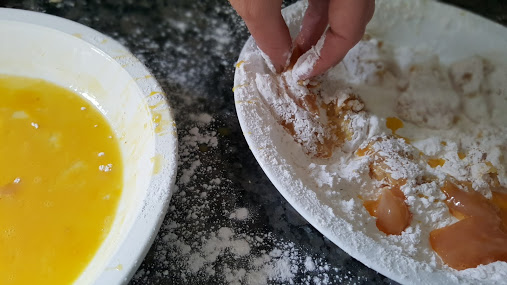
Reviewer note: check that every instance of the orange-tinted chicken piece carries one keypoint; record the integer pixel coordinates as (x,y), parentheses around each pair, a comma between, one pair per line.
(469,243)
(479,237)
(464,204)
(499,199)
(327,136)
(391,211)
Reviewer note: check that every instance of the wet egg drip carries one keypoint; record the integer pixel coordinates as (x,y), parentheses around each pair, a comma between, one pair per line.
(394,124)
(434,162)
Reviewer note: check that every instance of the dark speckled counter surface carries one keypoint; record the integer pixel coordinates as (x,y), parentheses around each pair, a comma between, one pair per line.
(191,48)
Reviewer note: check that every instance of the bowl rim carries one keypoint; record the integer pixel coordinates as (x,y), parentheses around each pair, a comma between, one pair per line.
(129,255)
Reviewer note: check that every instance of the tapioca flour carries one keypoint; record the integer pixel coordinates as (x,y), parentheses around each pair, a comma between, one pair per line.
(453,125)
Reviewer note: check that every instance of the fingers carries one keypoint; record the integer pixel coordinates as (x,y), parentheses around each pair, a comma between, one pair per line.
(267,26)
(347,23)
(314,24)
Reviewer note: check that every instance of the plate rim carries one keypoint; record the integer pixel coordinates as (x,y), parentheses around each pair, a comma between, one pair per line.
(271,170)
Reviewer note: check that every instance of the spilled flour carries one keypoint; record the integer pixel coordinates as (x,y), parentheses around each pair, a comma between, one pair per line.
(386,117)
(229,248)
(226,224)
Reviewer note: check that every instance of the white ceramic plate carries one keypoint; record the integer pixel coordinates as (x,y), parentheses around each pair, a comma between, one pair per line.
(104,72)
(426,25)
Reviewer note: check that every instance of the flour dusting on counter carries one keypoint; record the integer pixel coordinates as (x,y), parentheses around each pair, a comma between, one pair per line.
(219,182)
(259,257)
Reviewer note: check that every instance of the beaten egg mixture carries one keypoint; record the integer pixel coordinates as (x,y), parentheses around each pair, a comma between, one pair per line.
(60,182)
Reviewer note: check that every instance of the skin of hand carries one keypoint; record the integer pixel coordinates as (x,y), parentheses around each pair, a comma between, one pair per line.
(347,20)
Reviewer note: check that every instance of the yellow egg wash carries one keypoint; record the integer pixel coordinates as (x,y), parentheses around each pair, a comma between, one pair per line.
(61,178)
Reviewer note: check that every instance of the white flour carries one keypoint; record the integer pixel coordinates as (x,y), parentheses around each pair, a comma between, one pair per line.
(202,252)
(214,231)
(239,214)
(453,115)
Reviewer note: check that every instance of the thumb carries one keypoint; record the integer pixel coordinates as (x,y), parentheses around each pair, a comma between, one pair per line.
(267,26)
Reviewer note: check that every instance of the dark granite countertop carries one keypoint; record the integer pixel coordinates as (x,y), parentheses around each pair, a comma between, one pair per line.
(191,48)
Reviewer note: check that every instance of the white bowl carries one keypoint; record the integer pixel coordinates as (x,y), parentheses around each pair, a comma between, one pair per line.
(448,32)
(104,72)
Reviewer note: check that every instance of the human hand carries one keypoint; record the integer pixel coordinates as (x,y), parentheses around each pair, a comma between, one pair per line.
(347,20)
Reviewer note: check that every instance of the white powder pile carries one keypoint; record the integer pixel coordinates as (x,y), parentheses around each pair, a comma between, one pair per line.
(454,125)
(253,266)
(239,214)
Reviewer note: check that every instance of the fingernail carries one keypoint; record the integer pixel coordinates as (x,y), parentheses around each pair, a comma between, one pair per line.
(305,64)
